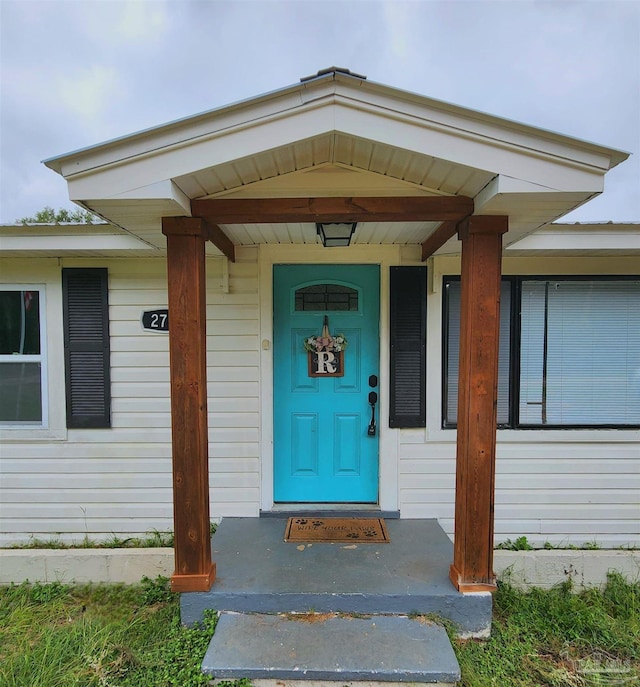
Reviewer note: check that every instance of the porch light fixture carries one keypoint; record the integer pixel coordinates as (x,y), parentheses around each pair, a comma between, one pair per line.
(334,234)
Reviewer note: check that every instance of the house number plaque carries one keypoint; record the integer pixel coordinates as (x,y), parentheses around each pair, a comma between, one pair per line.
(155,320)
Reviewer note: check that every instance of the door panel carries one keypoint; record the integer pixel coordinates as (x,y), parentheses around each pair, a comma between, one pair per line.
(304,444)
(322,450)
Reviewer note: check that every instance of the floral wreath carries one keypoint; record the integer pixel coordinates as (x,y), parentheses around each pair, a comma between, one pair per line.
(315,344)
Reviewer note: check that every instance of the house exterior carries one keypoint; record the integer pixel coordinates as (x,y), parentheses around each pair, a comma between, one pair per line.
(213,220)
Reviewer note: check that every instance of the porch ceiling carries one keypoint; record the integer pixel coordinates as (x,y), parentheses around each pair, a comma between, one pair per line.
(343,136)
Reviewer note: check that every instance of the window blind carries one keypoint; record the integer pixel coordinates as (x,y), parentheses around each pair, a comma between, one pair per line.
(452,352)
(580,352)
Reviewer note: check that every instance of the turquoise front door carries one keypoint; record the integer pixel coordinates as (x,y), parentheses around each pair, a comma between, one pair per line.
(325,428)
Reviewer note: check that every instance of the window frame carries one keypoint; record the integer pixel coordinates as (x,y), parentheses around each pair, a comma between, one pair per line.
(41,358)
(354,289)
(515,352)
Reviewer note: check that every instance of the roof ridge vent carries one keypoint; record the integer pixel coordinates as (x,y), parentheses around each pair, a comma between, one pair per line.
(332,70)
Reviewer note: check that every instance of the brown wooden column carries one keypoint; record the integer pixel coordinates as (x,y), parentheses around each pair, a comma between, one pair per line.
(472,568)
(186,237)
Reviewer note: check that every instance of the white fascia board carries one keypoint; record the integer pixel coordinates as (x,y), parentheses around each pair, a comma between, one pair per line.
(543,168)
(192,156)
(326,116)
(530,205)
(380,114)
(598,227)
(47,239)
(59,229)
(165,190)
(503,184)
(176,133)
(605,237)
(294,97)
(487,125)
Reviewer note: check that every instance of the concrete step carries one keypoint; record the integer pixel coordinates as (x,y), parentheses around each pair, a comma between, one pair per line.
(331,648)
(260,573)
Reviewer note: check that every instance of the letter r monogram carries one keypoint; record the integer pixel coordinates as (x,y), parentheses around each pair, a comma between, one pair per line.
(325,363)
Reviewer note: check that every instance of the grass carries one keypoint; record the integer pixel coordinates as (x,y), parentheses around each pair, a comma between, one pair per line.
(157,538)
(551,637)
(152,539)
(522,544)
(56,635)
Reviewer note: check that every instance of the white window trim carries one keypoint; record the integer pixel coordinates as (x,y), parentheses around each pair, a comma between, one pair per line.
(47,282)
(41,358)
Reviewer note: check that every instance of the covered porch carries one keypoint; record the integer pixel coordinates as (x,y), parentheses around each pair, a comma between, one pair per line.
(472,566)
(412,173)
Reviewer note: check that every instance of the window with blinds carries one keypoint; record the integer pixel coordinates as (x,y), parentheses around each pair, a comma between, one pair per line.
(580,353)
(452,352)
(569,352)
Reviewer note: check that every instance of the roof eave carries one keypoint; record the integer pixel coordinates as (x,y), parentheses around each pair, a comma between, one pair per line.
(615,156)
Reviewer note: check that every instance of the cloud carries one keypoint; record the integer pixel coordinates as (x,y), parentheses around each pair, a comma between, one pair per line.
(78,73)
(88,91)
(143,20)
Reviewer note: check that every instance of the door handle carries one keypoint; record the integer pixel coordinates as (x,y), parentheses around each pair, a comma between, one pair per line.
(373,399)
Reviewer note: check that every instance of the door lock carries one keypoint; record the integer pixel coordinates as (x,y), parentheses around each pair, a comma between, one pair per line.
(373,399)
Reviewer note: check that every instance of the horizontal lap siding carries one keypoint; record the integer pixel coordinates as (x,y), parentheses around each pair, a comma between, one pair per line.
(436,462)
(561,493)
(100,482)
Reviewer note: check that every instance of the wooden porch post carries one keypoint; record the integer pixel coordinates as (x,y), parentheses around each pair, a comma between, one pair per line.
(186,236)
(472,568)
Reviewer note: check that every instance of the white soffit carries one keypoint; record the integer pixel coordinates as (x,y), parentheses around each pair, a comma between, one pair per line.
(333,123)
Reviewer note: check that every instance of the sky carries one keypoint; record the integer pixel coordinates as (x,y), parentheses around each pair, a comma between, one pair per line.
(75,73)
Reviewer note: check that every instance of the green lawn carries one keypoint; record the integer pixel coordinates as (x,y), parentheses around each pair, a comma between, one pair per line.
(115,636)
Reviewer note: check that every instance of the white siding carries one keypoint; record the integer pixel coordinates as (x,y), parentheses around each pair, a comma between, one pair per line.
(97,482)
(561,492)
(563,487)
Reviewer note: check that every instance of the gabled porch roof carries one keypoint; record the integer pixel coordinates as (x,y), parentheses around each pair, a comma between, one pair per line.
(336,135)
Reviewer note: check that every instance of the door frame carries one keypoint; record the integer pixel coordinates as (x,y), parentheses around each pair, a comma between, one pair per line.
(268,256)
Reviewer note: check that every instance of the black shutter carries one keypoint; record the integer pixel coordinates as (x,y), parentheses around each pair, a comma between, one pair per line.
(86,347)
(408,342)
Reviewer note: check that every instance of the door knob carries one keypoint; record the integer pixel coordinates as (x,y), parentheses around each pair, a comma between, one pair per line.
(373,399)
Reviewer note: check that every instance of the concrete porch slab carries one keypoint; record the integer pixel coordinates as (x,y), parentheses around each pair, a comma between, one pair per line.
(380,648)
(259,573)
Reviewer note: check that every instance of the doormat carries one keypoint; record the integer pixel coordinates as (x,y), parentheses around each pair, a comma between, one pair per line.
(361,530)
